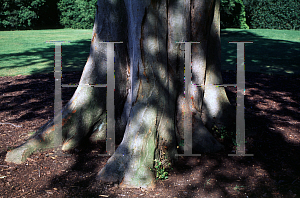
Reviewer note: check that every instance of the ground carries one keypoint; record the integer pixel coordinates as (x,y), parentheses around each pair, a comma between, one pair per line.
(272,135)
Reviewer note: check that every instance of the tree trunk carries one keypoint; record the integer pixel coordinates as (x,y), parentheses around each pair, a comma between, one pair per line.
(149,94)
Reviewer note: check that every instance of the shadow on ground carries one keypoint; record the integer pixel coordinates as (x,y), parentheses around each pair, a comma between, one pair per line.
(74,56)
(272,134)
(264,55)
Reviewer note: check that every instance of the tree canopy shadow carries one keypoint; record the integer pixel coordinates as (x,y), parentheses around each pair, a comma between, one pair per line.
(74,56)
(271,148)
(264,55)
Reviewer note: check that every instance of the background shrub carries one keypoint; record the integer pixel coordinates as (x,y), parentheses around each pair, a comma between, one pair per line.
(49,15)
(273,14)
(19,14)
(233,14)
(78,14)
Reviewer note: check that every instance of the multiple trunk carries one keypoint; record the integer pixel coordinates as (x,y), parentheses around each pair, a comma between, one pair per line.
(149,94)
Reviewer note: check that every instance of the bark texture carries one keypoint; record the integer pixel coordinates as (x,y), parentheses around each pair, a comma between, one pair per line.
(149,94)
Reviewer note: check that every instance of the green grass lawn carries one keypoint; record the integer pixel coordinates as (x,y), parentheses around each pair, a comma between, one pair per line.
(26,52)
(272,51)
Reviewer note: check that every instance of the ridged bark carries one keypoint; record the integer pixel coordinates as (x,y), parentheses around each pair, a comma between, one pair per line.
(149,95)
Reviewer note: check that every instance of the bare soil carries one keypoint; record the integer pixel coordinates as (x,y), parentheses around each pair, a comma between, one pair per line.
(272,134)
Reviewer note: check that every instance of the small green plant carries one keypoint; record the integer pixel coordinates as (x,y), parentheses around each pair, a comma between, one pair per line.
(181,143)
(237,188)
(221,132)
(161,165)
(161,171)
(30,133)
(10,148)
(234,142)
(207,182)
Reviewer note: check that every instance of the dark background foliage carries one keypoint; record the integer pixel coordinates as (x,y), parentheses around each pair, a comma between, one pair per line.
(19,14)
(233,14)
(273,14)
(80,14)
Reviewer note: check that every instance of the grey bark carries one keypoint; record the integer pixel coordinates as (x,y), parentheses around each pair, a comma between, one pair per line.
(149,70)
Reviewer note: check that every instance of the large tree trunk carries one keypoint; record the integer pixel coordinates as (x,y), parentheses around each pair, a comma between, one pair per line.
(149,94)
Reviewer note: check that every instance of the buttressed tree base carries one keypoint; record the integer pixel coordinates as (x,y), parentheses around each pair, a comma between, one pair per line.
(150,99)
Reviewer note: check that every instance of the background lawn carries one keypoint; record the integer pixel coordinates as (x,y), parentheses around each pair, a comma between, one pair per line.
(26,52)
(272,51)
(272,124)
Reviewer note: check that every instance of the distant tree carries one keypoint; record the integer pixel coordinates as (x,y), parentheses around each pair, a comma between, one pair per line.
(79,14)
(17,14)
(233,14)
(271,14)
(51,19)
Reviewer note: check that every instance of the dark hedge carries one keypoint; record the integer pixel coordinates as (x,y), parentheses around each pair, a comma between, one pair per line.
(79,14)
(273,14)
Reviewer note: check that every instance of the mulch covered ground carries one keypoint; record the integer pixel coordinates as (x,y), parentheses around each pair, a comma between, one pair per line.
(272,134)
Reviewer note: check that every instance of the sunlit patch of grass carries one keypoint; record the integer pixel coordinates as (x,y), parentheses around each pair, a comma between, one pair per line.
(26,52)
